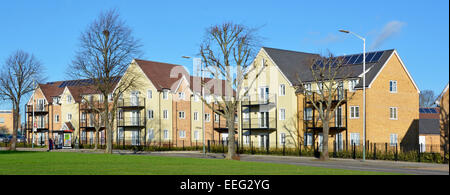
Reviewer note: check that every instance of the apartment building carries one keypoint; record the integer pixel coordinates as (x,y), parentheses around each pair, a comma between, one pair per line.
(443,102)
(6,121)
(277,114)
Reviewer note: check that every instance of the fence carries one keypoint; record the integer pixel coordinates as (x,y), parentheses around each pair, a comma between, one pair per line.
(374,151)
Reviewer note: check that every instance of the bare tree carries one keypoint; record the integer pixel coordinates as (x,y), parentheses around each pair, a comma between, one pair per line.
(106,49)
(227,52)
(329,73)
(16,81)
(426,98)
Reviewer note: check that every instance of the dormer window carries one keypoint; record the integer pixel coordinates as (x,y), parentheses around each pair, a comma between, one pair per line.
(69,99)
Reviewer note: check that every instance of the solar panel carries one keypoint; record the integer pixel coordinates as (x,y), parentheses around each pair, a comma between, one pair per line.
(421,110)
(352,59)
(377,56)
(346,59)
(359,60)
(369,56)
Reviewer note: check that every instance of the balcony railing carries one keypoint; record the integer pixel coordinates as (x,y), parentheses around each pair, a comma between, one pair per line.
(259,123)
(316,96)
(38,108)
(258,99)
(131,122)
(91,105)
(131,103)
(40,125)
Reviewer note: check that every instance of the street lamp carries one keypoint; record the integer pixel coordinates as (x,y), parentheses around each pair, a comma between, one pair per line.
(364,88)
(202,94)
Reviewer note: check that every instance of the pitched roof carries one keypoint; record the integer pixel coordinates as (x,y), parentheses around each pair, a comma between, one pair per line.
(429,126)
(295,65)
(196,86)
(76,87)
(160,73)
(429,113)
(439,98)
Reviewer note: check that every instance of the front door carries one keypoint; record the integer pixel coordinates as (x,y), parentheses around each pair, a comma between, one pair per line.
(135,118)
(422,143)
(263,140)
(263,119)
(134,98)
(263,94)
(225,138)
(135,137)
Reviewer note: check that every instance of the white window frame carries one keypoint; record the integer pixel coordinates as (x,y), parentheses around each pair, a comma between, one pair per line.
(216,117)
(181,95)
(282,114)
(195,116)
(166,134)
(308,137)
(308,114)
(207,117)
(181,115)
(283,138)
(150,134)
(282,89)
(355,138)
(352,84)
(393,86)
(69,116)
(353,113)
(196,135)
(149,94)
(69,99)
(393,115)
(150,114)
(182,134)
(393,139)
(165,95)
(165,114)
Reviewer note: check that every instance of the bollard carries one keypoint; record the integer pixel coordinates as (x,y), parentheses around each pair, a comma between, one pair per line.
(209,148)
(374,151)
(396,153)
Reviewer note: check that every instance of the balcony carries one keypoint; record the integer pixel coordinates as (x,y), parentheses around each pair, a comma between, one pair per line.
(38,109)
(134,103)
(90,106)
(40,125)
(268,123)
(316,97)
(222,125)
(258,99)
(131,122)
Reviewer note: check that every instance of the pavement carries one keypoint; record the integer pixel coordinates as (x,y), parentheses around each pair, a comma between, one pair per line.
(413,168)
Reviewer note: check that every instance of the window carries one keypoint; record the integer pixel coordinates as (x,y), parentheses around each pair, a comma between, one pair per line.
(282,114)
(393,113)
(150,114)
(354,112)
(166,134)
(196,135)
(207,117)
(208,99)
(308,115)
(195,116)
(150,135)
(282,90)
(56,118)
(246,116)
(319,87)
(182,134)
(165,95)
(216,117)
(308,87)
(196,98)
(354,139)
(121,134)
(165,114)
(69,117)
(2,119)
(181,114)
(394,138)
(100,98)
(393,86)
(181,95)
(149,94)
(69,99)
(246,139)
(352,84)
(283,138)
(308,139)
(110,98)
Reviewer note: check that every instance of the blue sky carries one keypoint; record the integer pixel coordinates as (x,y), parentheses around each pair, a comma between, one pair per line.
(419,30)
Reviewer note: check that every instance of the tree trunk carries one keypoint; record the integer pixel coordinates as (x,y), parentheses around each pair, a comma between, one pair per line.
(325,132)
(231,146)
(96,139)
(15,127)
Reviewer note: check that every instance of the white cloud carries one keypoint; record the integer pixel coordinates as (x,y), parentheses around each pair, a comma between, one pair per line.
(391,29)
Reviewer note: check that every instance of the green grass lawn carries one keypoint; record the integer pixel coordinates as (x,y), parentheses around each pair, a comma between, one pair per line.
(65,163)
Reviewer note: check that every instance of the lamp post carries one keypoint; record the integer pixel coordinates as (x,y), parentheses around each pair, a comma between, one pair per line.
(202,94)
(364,88)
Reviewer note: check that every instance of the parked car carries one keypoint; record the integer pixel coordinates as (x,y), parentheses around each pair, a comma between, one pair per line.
(4,138)
(19,139)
